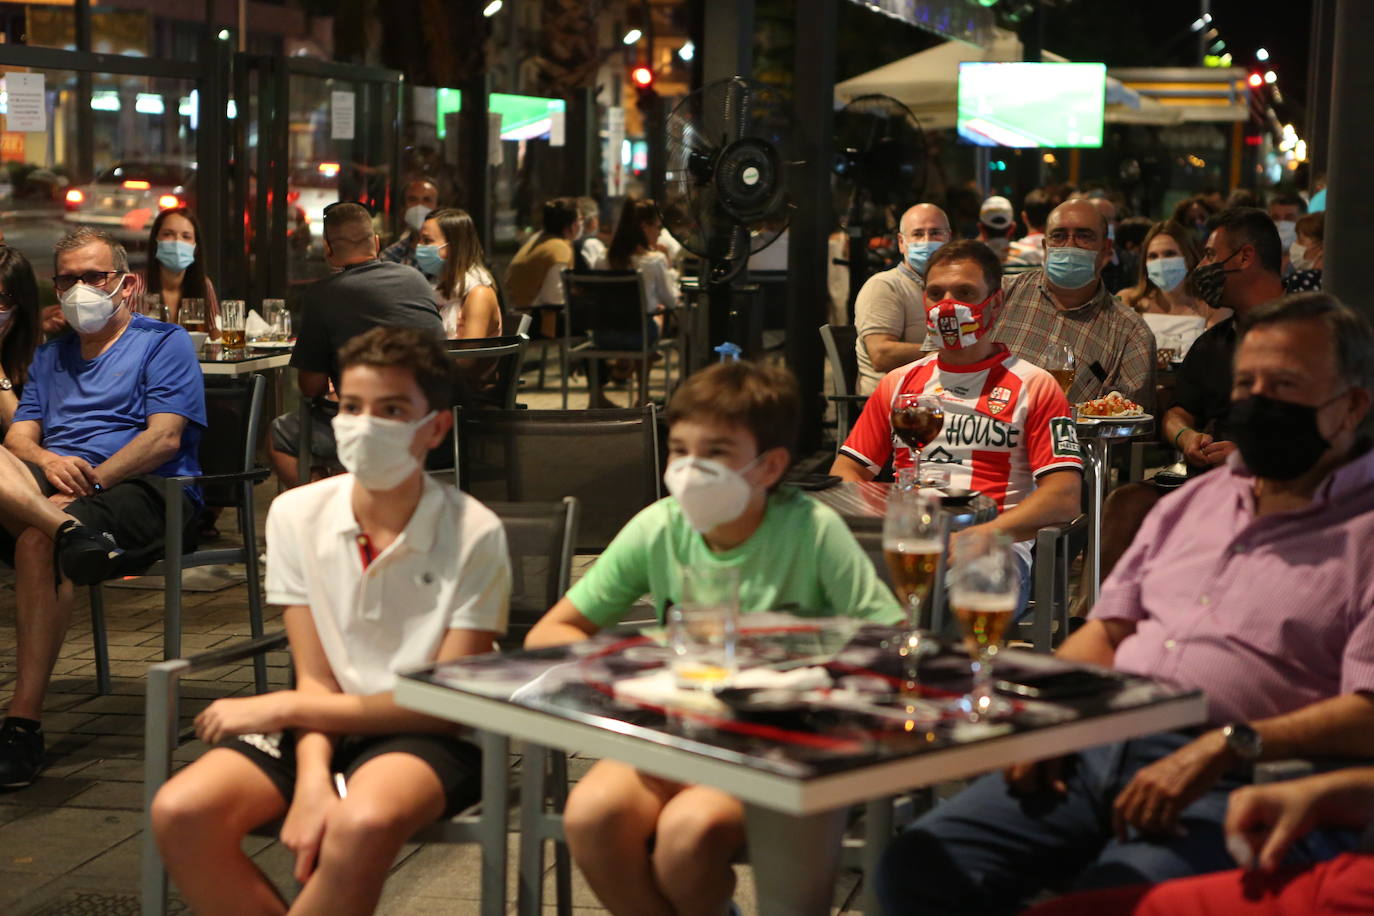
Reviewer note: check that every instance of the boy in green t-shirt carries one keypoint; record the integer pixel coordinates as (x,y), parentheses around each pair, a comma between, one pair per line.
(649,845)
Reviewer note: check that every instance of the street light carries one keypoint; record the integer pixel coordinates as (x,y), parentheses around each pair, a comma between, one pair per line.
(632,36)
(492,8)
(1255,81)
(687,51)
(1262,54)
(1271,77)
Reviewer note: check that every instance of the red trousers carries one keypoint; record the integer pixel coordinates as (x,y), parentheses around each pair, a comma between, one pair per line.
(1343,886)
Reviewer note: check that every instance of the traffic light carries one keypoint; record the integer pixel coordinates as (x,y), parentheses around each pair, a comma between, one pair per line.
(642,77)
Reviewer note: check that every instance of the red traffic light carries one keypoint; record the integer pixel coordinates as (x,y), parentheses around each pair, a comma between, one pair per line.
(1255,81)
(642,77)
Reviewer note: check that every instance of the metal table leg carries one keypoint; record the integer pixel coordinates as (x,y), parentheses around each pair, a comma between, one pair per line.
(795,860)
(1095,450)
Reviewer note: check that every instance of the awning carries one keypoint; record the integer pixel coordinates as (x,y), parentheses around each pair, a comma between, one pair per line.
(928,84)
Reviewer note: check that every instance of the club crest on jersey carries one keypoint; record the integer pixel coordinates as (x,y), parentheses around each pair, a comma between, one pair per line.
(998,400)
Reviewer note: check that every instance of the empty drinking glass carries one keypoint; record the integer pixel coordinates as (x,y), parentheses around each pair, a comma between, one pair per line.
(272,312)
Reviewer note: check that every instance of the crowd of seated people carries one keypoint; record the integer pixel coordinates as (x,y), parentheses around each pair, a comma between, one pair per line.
(1251,582)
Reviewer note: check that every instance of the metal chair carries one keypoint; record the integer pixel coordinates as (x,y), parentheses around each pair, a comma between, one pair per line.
(844,377)
(1056,547)
(498,381)
(612,301)
(539,539)
(607,459)
(228,458)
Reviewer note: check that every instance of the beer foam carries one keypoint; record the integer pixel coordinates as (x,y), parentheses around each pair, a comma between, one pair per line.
(911,546)
(982,602)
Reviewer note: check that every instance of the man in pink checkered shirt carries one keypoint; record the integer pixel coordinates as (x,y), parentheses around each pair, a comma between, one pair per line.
(1254,584)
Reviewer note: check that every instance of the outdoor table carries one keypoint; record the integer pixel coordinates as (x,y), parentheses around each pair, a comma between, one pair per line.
(1097,434)
(215,360)
(862,505)
(798,774)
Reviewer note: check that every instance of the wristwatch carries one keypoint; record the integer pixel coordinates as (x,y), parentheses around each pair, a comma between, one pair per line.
(6,384)
(1243,741)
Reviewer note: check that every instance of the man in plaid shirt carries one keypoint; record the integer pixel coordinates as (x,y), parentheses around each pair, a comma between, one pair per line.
(1065,303)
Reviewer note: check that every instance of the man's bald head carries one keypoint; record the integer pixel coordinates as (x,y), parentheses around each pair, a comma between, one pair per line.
(1079,212)
(1105,207)
(924,216)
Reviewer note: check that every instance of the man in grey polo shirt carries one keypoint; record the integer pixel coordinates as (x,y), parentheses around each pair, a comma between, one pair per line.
(364,292)
(888,315)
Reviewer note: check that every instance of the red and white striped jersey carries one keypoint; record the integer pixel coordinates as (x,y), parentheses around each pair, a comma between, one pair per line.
(1006,423)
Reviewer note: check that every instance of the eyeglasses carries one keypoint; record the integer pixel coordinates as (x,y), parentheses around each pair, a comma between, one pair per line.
(1083,238)
(64,282)
(934,235)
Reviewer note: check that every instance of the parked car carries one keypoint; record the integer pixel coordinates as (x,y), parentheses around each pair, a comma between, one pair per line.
(125,198)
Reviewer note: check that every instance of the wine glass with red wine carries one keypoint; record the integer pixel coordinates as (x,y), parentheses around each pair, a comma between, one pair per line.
(917,419)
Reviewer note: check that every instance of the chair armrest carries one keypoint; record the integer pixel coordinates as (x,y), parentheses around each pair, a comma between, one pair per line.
(1051,533)
(256,475)
(238,651)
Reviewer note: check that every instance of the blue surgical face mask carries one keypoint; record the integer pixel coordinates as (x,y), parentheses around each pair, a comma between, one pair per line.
(1071,267)
(918,255)
(1167,273)
(176,256)
(429,259)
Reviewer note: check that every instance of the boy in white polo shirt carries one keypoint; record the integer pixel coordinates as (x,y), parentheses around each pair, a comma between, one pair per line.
(650,846)
(379,570)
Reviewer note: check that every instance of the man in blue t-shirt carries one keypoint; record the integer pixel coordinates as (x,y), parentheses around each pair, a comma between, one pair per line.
(104,408)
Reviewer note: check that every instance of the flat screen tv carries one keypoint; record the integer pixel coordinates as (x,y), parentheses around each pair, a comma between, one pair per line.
(1030,105)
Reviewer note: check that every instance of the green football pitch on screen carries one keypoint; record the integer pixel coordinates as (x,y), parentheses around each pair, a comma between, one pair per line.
(1029,104)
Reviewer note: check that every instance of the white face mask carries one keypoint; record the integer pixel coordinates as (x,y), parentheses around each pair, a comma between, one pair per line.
(1297,253)
(375,450)
(88,309)
(710,493)
(415,216)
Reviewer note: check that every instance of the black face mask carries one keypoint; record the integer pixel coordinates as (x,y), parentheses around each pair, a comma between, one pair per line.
(1210,280)
(1278,440)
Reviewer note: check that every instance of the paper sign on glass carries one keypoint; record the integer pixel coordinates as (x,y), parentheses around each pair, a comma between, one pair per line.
(342,106)
(27,110)
(558,125)
(495,156)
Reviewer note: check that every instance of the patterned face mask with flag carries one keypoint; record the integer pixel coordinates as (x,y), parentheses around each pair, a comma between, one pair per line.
(957,325)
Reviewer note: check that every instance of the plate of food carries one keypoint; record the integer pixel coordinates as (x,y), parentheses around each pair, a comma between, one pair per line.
(1115,406)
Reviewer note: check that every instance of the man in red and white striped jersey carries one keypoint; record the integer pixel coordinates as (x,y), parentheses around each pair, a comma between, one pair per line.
(1008,431)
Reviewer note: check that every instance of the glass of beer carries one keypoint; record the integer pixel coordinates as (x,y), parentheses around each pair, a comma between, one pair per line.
(232,315)
(191,314)
(984,585)
(1063,365)
(917,419)
(703,627)
(913,541)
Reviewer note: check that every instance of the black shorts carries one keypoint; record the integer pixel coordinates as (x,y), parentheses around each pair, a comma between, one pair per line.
(286,431)
(457,763)
(133,511)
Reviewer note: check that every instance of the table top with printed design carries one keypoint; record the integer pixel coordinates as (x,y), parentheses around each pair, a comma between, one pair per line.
(850,727)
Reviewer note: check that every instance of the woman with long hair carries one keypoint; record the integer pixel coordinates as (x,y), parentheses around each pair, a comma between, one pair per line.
(176,266)
(634,247)
(20,328)
(450,254)
(1163,285)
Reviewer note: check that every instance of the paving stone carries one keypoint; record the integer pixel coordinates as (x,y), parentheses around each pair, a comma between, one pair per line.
(43,794)
(60,839)
(17,885)
(109,795)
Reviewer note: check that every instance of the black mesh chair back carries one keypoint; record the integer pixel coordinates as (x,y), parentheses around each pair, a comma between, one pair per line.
(604,300)
(840,342)
(608,459)
(539,538)
(229,440)
(490,367)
